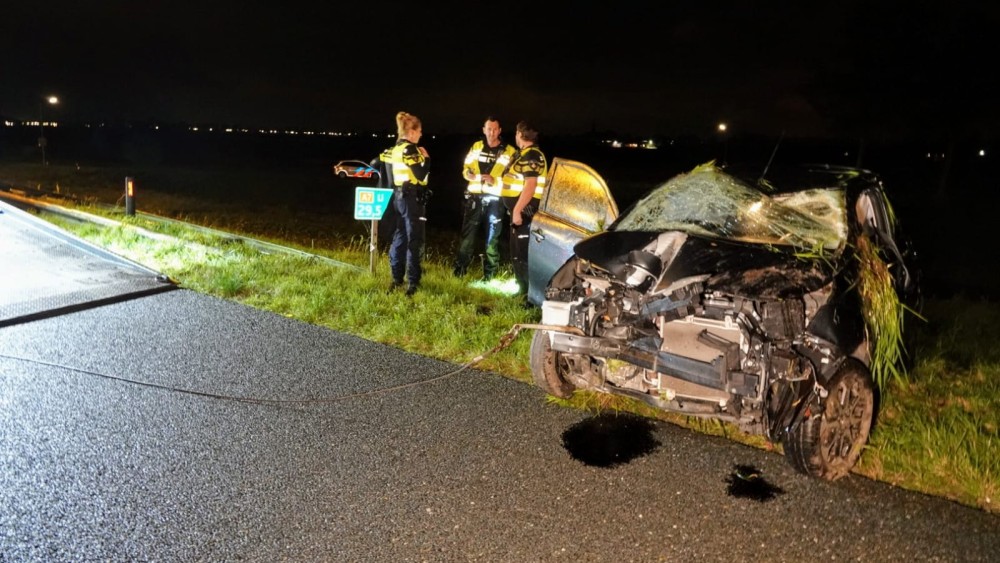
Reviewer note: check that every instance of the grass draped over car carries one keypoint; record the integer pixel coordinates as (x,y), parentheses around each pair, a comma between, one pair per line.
(881,307)
(936,432)
(883,313)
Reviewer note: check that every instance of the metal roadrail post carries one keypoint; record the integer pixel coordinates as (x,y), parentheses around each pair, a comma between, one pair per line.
(22,200)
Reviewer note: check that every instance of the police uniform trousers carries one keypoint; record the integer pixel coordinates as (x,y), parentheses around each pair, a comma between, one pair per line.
(408,238)
(481,214)
(519,239)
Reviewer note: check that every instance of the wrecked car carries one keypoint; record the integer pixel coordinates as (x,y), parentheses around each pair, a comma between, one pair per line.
(713,298)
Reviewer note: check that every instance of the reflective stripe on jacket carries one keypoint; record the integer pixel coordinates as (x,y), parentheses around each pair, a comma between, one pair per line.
(483,159)
(529,162)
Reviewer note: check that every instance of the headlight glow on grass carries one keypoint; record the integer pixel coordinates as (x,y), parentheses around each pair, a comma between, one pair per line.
(498,286)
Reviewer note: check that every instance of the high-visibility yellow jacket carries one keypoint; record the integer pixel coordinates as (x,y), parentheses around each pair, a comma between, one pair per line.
(528,162)
(409,167)
(484,159)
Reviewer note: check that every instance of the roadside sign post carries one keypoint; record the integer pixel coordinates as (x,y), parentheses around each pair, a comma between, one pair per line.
(370,205)
(129,196)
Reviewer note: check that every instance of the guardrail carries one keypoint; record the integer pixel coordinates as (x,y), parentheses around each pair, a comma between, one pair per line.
(20,197)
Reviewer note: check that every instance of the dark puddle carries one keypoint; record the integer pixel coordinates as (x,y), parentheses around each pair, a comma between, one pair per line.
(607,440)
(748,482)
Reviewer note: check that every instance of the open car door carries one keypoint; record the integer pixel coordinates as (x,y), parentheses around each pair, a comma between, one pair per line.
(576,205)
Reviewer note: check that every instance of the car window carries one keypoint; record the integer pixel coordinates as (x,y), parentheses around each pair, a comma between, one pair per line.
(581,198)
(708,202)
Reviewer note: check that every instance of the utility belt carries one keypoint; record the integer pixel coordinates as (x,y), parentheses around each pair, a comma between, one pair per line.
(421,192)
(408,189)
(485,198)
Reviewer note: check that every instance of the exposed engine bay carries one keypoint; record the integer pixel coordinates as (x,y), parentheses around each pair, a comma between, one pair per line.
(686,347)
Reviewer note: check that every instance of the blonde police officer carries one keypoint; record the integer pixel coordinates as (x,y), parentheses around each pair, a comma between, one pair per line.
(410,166)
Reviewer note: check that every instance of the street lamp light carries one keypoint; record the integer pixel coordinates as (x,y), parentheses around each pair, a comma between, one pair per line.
(52,100)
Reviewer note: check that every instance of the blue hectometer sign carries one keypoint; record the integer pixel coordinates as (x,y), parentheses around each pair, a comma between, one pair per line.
(370,203)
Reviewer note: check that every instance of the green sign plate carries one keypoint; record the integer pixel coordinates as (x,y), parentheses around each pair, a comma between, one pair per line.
(370,203)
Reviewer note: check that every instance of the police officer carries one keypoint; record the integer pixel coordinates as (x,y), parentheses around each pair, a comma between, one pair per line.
(410,165)
(483,211)
(523,186)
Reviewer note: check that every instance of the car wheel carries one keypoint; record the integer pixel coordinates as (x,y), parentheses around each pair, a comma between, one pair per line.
(548,367)
(828,444)
(342,174)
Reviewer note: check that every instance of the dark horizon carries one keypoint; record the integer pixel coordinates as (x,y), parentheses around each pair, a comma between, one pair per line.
(845,70)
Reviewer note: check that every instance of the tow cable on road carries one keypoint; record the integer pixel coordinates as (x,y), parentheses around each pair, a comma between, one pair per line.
(505,341)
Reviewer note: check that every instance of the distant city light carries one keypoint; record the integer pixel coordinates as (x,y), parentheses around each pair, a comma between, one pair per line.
(644,144)
(53,100)
(723,127)
(982,152)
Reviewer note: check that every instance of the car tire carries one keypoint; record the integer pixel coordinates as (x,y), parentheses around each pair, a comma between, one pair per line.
(828,444)
(547,367)
(342,174)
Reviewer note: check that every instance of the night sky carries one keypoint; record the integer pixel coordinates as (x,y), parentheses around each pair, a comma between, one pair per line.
(839,68)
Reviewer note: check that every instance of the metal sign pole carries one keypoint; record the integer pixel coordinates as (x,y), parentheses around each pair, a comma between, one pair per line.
(370,205)
(374,247)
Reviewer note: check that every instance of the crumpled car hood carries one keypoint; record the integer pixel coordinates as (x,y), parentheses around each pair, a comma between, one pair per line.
(732,266)
(747,242)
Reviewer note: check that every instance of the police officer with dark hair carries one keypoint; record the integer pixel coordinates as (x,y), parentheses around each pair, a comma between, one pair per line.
(483,211)
(523,186)
(410,167)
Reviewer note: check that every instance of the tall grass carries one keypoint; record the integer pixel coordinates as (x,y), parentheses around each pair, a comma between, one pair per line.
(938,431)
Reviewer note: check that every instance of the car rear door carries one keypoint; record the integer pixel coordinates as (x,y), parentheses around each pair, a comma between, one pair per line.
(577,203)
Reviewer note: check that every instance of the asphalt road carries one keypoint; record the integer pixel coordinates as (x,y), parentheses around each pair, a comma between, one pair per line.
(471,467)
